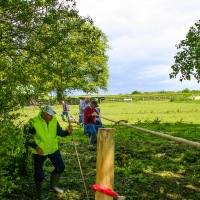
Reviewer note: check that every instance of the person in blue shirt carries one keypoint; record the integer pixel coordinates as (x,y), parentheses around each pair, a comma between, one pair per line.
(83,105)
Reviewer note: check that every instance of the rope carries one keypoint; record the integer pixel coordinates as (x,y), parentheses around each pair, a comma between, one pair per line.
(164,135)
(79,163)
(125,121)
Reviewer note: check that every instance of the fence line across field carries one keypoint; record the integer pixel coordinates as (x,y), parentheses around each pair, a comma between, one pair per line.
(164,135)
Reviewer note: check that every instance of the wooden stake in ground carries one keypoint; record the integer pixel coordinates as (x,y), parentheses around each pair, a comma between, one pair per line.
(105,161)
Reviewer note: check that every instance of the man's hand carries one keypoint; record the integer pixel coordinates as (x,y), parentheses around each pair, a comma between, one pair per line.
(70,129)
(39,150)
(94,114)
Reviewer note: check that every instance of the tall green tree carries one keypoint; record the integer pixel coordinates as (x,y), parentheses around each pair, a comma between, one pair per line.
(48,45)
(45,45)
(79,60)
(187,59)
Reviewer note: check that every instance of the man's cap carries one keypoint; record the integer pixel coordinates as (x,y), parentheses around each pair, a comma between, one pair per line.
(48,109)
(95,103)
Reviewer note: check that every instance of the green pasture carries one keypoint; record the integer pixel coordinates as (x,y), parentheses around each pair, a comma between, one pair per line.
(146,167)
(145,111)
(142,111)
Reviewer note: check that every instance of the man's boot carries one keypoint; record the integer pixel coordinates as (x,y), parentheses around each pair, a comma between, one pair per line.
(54,182)
(92,140)
(39,190)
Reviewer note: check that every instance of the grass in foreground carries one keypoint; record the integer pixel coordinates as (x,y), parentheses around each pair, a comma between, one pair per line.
(146,167)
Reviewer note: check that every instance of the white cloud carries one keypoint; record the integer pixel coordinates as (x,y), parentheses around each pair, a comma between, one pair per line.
(142,35)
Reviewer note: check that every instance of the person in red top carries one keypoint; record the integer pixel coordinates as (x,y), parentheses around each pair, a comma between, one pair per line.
(90,126)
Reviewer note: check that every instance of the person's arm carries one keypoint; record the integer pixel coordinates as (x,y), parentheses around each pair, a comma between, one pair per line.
(63,133)
(30,131)
(88,113)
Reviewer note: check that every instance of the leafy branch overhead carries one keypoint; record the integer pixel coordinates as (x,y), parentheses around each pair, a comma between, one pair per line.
(48,45)
(187,59)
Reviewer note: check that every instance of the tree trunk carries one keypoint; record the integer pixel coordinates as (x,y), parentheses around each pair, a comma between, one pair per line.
(59,95)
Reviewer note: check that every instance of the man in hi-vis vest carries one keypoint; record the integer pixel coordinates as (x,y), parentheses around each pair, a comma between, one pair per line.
(42,137)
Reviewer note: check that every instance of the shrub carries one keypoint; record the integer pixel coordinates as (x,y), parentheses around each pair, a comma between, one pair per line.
(136,92)
(186,90)
(11,153)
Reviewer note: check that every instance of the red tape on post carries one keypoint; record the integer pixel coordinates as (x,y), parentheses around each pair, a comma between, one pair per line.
(104,190)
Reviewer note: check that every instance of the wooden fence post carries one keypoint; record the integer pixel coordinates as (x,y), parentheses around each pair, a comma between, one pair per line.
(105,161)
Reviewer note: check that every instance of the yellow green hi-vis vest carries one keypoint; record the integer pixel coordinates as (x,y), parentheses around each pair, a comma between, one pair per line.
(46,135)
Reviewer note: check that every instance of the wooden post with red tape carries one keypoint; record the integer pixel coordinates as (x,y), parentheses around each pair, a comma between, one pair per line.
(105,161)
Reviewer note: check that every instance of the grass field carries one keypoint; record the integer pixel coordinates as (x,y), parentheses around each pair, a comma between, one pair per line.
(144,111)
(146,167)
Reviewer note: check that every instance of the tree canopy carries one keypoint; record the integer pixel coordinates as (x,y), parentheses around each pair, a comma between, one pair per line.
(45,45)
(48,45)
(187,59)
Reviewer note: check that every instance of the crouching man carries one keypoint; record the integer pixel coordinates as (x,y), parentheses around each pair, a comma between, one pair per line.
(42,137)
(90,125)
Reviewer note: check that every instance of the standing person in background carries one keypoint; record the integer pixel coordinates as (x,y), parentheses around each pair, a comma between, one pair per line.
(65,111)
(42,132)
(82,107)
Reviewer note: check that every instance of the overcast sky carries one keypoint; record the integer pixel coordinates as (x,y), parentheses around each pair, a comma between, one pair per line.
(142,35)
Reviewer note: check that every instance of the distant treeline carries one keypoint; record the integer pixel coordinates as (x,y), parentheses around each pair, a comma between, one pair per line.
(184,95)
